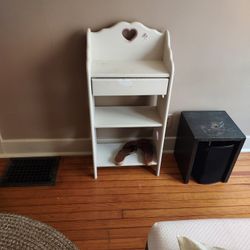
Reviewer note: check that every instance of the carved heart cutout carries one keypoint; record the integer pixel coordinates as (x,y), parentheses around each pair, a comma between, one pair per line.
(129,34)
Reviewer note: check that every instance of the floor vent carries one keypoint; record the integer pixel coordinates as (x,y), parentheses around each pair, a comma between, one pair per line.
(31,171)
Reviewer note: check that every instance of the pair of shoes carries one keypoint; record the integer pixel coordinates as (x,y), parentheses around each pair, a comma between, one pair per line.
(126,150)
(145,145)
(147,148)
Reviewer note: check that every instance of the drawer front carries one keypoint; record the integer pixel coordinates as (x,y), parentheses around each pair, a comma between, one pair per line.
(109,87)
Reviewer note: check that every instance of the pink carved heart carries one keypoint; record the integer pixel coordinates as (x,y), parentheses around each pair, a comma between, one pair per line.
(129,34)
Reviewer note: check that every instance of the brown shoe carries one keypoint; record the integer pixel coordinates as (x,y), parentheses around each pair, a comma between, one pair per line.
(126,150)
(147,148)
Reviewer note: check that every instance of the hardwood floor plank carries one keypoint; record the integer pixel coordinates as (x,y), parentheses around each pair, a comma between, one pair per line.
(74,208)
(82,235)
(201,211)
(94,215)
(42,192)
(102,224)
(119,233)
(131,243)
(152,201)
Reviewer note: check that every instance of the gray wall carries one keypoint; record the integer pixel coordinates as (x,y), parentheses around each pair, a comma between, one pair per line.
(42,59)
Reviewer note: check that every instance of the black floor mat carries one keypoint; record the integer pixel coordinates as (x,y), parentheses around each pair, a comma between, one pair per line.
(31,171)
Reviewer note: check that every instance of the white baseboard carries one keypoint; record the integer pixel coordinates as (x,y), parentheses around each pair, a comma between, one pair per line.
(68,146)
(246,146)
(45,147)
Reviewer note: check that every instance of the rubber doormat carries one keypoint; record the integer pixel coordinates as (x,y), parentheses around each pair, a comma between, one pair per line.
(37,171)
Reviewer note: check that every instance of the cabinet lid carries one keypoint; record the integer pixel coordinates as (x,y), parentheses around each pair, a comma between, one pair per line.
(212,125)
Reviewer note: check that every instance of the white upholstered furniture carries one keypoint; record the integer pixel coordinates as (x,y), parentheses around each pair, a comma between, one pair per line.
(231,234)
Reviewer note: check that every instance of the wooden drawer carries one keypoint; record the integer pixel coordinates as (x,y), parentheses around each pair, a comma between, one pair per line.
(129,86)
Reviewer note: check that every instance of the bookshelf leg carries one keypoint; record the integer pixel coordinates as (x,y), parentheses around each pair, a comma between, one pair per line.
(95,172)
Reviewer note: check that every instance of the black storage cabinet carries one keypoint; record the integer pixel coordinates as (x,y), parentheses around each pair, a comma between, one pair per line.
(207,146)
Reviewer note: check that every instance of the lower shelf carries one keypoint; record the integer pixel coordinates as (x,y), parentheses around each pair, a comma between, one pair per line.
(106,153)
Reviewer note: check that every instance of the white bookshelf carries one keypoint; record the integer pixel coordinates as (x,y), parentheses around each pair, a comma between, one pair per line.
(120,66)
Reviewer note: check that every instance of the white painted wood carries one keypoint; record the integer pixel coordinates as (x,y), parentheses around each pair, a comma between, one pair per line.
(45,147)
(91,102)
(168,54)
(129,86)
(109,43)
(147,57)
(163,103)
(156,139)
(108,151)
(1,147)
(138,68)
(127,117)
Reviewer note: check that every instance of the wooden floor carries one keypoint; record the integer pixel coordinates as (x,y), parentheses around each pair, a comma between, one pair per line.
(117,210)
